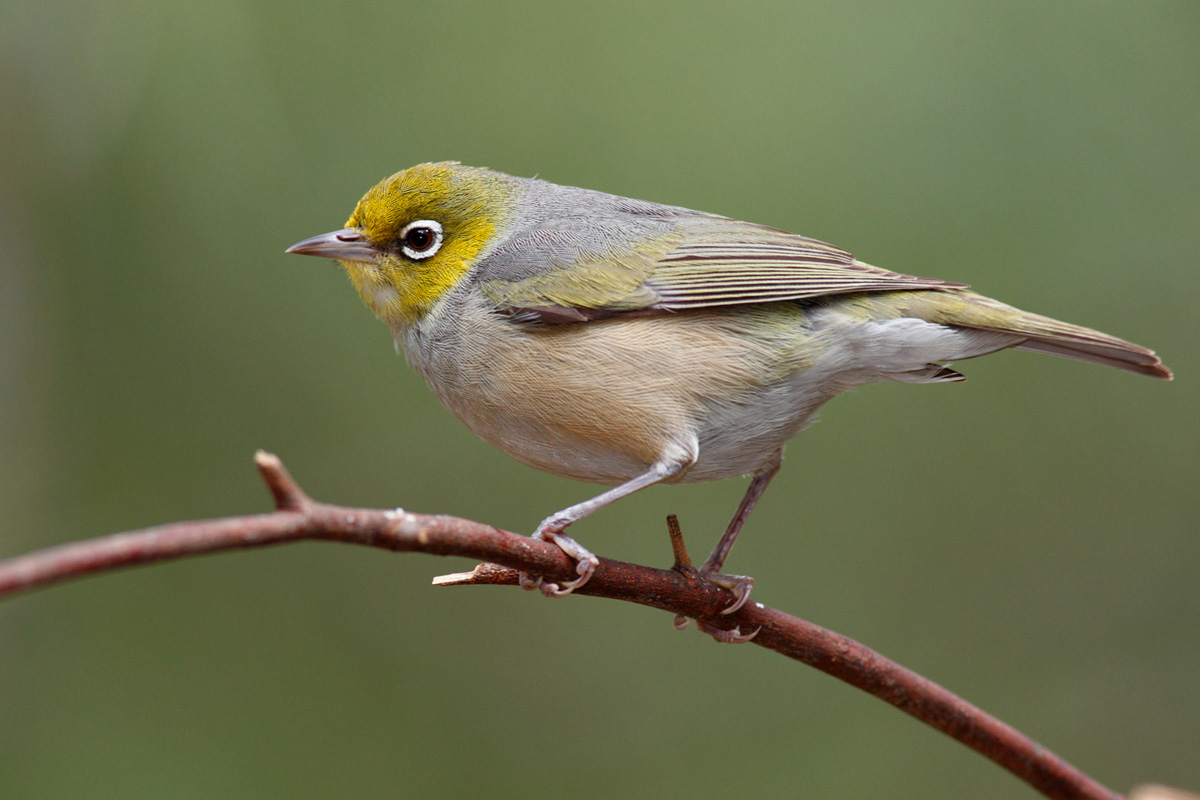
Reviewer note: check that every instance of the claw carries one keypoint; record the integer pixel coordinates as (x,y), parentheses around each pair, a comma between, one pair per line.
(585,563)
(586,568)
(734,636)
(527,583)
(740,585)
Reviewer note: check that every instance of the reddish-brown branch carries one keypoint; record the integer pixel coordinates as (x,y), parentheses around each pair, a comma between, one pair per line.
(677,590)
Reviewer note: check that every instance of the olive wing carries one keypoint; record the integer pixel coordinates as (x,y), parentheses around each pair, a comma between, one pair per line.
(589,270)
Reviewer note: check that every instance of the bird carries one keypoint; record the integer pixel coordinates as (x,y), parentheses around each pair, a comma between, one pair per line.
(629,343)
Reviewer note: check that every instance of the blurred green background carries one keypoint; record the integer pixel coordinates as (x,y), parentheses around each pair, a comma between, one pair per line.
(1030,539)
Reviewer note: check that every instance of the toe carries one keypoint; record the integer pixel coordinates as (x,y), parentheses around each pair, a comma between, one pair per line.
(740,585)
(527,583)
(734,636)
(585,561)
(586,567)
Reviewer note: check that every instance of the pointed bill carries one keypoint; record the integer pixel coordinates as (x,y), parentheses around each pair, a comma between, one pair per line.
(348,244)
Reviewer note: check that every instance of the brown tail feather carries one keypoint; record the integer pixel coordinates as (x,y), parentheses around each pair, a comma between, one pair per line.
(1134,359)
(1041,334)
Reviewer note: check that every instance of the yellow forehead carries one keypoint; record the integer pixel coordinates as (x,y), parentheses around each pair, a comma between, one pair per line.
(448,192)
(469,203)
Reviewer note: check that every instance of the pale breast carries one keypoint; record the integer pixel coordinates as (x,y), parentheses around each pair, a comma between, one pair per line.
(602,401)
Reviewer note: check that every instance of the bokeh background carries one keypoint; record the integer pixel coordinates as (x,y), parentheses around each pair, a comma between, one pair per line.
(1030,539)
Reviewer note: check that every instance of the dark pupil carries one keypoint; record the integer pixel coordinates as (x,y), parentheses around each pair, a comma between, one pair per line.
(419,239)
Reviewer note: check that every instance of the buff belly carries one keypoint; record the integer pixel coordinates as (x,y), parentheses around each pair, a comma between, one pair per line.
(601,401)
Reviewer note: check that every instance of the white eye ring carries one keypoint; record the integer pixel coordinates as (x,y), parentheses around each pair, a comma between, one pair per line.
(421,238)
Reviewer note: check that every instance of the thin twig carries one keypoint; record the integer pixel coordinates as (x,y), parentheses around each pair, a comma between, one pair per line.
(682,559)
(299,518)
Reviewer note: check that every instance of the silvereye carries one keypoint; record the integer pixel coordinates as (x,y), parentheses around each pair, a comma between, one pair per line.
(630,343)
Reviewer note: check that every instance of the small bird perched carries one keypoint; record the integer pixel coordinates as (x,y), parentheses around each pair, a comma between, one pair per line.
(629,343)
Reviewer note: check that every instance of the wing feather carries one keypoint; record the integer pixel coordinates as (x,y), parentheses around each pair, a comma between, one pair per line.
(724,262)
(681,260)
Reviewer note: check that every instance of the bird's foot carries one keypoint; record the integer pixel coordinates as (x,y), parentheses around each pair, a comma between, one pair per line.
(739,585)
(585,563)
(734,636)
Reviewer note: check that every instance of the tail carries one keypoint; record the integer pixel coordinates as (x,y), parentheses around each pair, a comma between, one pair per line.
(1040,334)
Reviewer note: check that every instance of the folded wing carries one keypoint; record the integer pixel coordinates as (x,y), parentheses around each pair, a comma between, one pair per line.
(695,262)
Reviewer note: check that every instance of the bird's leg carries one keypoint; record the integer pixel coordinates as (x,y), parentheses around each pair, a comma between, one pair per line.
(740,585)
(551,529)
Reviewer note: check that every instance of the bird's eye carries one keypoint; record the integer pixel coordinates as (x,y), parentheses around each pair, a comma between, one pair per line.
(421,239)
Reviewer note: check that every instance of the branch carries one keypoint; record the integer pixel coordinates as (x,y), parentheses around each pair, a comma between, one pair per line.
(678,590)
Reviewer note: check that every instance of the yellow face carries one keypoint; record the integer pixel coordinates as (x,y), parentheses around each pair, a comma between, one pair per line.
(423,228)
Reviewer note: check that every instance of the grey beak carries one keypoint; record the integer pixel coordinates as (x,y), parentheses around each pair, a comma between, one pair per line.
(348,244)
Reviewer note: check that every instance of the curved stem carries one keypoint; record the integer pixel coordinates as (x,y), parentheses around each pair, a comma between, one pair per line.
(679,590)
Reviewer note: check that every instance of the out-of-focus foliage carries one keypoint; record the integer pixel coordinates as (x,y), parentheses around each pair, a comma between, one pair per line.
(1030,539)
